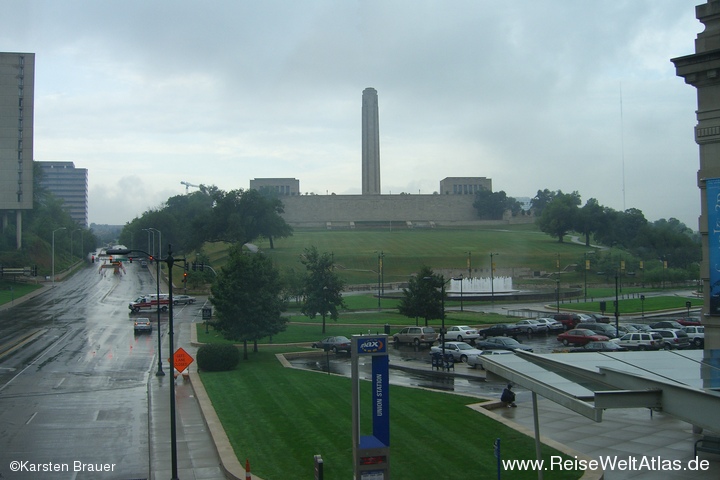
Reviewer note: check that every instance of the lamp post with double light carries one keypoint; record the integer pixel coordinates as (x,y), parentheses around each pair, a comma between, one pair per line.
(53,253)
(443,282)
(173,431)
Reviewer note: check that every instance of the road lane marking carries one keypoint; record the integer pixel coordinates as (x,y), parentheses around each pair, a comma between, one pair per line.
(47,350)
(31,418)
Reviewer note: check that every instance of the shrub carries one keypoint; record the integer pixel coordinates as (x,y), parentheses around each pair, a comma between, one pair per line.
(215,357)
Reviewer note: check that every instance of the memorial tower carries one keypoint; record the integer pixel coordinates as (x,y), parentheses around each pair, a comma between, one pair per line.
(370,143)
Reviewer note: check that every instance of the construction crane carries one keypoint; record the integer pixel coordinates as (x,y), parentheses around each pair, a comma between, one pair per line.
(188,185)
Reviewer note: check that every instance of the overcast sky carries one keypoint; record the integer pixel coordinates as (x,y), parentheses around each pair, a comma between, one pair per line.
(566,95)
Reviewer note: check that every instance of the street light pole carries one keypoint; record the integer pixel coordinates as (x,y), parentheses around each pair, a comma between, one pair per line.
(53,253)
(159,240)
(587,267)
(492,277)
(173,432)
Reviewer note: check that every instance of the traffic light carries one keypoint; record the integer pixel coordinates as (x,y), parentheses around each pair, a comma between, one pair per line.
(185,277)
(194,266)
(202,266)
(34,271)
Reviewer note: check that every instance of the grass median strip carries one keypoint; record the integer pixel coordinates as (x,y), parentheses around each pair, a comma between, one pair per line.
(279,418)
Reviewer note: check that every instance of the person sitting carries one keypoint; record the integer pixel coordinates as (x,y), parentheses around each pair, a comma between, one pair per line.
(508,396)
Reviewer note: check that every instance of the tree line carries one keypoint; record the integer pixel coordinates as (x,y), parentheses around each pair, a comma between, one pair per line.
(560,214)
(48,215)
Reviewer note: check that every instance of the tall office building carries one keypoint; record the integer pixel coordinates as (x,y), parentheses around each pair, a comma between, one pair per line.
(370,143)
(70,185)
(17,87)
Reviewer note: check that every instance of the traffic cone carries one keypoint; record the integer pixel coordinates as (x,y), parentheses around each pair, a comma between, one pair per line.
(248,475)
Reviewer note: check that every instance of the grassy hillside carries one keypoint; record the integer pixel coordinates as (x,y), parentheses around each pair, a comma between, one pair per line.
(519,249)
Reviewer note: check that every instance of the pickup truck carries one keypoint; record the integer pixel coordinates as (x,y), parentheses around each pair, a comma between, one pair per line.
(149,303)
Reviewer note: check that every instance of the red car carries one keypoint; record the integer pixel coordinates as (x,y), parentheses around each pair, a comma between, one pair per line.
(690,321)
(580,336)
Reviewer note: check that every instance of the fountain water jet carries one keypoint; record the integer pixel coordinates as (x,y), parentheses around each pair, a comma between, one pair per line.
(480,286)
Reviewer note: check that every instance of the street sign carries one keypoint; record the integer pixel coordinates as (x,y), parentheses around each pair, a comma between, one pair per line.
(182,360)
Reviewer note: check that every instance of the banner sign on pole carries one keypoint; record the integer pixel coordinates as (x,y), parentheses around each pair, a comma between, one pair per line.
(713,215)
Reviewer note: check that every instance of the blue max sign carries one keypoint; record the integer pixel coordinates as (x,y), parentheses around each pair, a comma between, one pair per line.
(372,345)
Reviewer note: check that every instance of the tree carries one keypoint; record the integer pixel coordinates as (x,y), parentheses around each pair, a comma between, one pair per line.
(241,216)
(423,297)
(492,205)
(559,216)
(590,219)
(541,200)
(322,287)
(247,298)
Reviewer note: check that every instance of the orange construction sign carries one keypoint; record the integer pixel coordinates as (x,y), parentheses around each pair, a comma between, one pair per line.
(182,360)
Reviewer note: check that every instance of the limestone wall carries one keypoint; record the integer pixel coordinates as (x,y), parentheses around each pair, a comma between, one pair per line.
(420,210)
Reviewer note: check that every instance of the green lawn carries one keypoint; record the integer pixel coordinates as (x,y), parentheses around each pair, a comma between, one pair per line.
(279,418)
(10,291)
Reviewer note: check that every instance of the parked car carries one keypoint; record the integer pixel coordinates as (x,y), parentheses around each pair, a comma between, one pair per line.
(600,318)
(580,336)
(569,320)
(502,343)
(606,346)
(184,299)
(552,324)
(585,318)
(461,333)
(689,321)
(336,344)
(600,328)
(477,360)
(626,328)
(459,350)
(641,341)
(641,327)
(531,326)
(416,335)
(142,325)
(666,324)
(499,330)
(696,335)
(673,338)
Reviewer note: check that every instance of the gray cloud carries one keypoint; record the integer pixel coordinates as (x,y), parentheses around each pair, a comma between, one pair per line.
(526,92)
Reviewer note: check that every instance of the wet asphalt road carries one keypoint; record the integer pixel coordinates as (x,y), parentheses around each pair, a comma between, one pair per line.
(76,398)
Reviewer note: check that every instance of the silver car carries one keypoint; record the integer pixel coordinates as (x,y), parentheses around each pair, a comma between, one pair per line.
(183,299)
(461,351)
(531,326)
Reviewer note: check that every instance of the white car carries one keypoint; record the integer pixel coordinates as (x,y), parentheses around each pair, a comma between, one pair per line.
(552,324)
(461,333)
(477,360)
(531,326)
(696,334)
(461,351)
